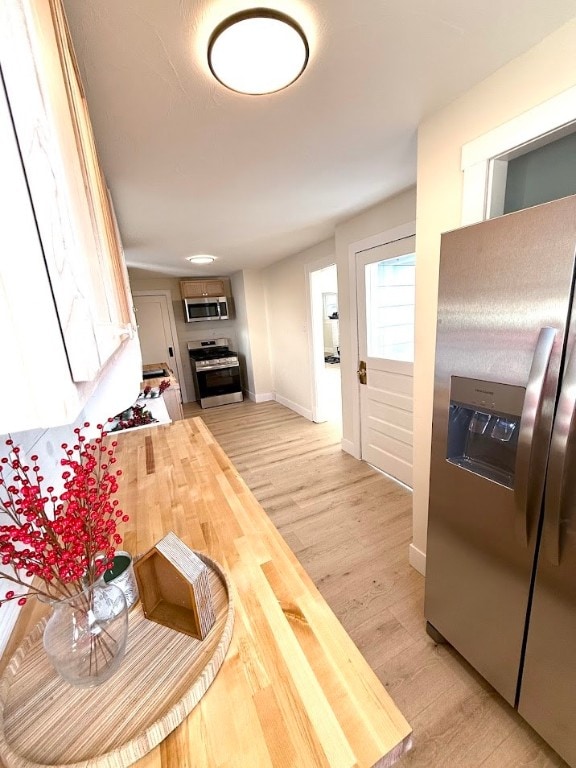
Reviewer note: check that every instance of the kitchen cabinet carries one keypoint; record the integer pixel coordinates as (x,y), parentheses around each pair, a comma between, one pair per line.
(65,297)
(173,402)
(193,289)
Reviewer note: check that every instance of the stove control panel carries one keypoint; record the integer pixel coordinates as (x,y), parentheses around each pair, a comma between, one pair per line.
(221,361)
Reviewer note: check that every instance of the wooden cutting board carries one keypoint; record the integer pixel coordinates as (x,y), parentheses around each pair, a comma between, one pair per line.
(47,722)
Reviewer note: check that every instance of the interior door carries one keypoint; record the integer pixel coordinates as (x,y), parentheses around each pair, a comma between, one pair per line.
(154,330)
(385,286)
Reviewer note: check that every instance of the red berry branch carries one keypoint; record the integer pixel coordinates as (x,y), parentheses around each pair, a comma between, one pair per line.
(66,541)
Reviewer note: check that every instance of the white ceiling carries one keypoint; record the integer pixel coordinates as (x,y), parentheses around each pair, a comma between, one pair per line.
(195,168)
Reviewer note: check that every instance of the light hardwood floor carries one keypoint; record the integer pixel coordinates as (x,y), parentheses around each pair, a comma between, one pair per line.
(350,527)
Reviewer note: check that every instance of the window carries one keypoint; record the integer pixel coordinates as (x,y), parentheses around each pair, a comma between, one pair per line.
(541,175)
(390,308)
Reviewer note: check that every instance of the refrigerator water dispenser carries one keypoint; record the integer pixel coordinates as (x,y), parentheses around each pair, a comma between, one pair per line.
(483,427)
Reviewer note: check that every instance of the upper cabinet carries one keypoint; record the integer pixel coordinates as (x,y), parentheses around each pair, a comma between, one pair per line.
(58,226)
(193,289)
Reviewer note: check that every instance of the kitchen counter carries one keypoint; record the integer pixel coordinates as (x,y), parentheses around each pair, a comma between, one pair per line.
(293,690)
(155,406)
(172,396)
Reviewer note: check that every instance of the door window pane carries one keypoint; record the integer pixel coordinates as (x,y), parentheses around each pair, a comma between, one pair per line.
(390,308)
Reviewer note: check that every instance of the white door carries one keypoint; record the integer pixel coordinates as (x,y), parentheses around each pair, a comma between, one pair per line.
(385,286)
(156,332)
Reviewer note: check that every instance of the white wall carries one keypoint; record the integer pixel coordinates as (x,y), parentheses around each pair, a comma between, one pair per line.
(285,284)
(257,312)
(543,72)
(252,334)
(286,297)
(243,346)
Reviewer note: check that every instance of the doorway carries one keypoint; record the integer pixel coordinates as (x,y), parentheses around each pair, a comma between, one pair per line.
(385,280)
(157,332)
(325,324)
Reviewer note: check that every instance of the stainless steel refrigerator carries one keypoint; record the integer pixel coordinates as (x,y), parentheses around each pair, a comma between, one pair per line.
(501,555)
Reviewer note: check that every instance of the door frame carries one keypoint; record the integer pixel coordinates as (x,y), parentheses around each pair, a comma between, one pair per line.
(484,160)
(177,360)
(313,323)
(354,446)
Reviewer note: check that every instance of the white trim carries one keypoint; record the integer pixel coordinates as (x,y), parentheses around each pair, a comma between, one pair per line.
(501,143)
(349,447)
(417,559)
(173,331)
(382,238)
(261,398)
(474,192)
(306,412)
(309,268)
(352,364)
(541,119)
(496,192)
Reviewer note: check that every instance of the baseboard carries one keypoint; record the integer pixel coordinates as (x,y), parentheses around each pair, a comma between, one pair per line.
(264,398)
(417,559)
(261,398)
(294,407)
(349,447)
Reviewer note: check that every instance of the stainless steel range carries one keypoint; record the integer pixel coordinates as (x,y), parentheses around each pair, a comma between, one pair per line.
(216,372)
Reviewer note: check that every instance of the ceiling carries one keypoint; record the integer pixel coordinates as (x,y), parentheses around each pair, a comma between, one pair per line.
(195,168)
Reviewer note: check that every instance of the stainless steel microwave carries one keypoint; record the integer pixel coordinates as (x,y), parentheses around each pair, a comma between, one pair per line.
(206,308)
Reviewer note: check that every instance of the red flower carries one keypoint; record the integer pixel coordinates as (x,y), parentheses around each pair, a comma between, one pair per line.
(65,541)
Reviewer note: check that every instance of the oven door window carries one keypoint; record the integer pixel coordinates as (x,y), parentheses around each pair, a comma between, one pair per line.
(222,381)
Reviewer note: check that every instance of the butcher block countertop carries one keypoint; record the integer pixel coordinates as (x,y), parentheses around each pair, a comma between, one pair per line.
(293,689)
(156,381)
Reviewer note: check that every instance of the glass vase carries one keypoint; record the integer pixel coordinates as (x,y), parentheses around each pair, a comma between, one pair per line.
(85,637)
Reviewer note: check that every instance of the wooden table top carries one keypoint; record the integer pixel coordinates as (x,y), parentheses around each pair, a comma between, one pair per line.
(293,690)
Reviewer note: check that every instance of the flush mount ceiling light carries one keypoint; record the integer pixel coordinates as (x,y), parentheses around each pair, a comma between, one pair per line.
(202,259)
(257,51)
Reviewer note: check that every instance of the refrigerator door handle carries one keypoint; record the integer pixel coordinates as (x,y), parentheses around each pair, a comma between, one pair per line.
(562,437)
(529,485)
